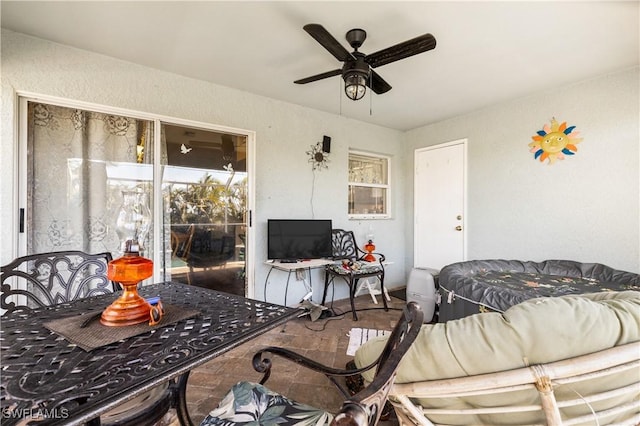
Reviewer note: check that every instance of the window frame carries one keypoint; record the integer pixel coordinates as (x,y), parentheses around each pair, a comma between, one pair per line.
(386,186)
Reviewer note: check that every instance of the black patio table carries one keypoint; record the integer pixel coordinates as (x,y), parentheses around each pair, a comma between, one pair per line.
(49,380)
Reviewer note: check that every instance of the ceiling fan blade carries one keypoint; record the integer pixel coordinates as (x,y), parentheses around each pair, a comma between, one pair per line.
(378,84)
(327,41)
(402,50)
(319,76)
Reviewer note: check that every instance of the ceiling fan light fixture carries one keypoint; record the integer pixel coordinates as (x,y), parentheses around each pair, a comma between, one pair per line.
(355,85)
(357,67)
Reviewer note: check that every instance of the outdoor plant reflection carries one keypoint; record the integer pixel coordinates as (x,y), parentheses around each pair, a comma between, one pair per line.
(209,201)
(208,221)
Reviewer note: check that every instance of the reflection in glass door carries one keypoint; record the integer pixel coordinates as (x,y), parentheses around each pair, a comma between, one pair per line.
(79,163)
(204,186)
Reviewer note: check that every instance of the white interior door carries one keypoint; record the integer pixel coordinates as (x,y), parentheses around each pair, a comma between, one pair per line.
(439,202)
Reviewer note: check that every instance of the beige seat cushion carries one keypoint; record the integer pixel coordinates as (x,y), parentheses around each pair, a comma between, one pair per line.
(533,332)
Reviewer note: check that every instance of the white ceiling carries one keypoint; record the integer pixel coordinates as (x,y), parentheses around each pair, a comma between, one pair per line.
(487,52)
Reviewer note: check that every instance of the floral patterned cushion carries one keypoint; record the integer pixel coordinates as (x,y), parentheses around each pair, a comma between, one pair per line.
(357,267)
(253,404)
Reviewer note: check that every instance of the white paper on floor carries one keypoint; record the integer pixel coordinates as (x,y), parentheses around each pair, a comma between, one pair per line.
(358,336)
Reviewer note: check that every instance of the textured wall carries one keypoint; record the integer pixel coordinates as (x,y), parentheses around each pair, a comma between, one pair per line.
(585,208)
(284,132)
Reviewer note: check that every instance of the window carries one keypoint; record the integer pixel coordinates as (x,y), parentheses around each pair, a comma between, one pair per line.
(368,186)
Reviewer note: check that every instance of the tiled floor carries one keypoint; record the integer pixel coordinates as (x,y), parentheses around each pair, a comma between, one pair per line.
(325,340)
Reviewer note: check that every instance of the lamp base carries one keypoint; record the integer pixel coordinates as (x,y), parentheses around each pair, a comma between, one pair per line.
(130,308)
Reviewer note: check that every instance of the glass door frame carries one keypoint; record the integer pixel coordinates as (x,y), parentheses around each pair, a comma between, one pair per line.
(20,196)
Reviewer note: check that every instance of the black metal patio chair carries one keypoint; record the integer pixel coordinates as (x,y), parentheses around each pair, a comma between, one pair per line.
(351,266)
(253,403)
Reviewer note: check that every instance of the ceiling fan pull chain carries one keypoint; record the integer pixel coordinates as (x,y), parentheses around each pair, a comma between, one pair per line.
(340,89)
(370,97)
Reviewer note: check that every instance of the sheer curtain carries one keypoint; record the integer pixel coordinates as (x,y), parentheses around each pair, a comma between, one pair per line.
(78,164)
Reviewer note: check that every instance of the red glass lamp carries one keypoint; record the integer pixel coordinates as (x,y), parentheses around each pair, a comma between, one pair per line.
(369,248)
(132,226)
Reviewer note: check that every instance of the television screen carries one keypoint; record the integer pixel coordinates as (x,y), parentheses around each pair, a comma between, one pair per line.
(296,239)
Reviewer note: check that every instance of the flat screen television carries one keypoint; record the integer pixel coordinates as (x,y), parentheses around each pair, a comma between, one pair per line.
(298,239)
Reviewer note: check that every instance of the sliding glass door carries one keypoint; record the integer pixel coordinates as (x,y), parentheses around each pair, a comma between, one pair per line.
(78,162)
(204,185)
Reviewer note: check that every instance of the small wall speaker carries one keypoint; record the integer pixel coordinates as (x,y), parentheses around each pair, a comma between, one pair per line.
(326,144)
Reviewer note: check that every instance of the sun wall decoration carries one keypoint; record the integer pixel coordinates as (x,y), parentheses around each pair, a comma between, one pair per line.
(554,141)
(317,157)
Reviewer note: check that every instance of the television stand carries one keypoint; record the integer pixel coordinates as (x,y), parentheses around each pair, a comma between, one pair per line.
(289,266)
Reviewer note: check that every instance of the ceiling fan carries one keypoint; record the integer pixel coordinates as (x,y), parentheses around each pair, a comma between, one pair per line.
(357,70)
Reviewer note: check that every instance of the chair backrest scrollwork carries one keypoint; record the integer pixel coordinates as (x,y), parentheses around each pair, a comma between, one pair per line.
(343,245)
(46,279)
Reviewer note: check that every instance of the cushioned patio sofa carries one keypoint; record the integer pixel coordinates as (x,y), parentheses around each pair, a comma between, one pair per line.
(566,360)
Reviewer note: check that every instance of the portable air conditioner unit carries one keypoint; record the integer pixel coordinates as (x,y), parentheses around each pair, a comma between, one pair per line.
(421,288)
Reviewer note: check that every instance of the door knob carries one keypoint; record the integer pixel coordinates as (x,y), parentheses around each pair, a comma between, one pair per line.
(458,228)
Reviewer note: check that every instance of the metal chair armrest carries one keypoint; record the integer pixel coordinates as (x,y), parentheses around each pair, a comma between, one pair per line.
(262,364)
